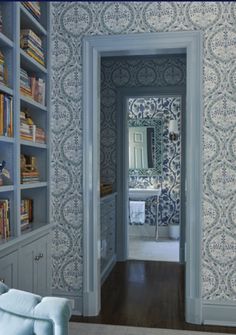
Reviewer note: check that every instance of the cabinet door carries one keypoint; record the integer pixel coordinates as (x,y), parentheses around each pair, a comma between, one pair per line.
(8,269)
(35,267)
(28,267)
(43,285)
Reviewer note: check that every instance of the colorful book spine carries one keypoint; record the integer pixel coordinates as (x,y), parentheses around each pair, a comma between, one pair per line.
(31,43)
(26,213)
(32,87)
(6,115)
(33,7)
(5,230)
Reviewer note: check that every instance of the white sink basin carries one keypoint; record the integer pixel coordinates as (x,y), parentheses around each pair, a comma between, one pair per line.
(144,192)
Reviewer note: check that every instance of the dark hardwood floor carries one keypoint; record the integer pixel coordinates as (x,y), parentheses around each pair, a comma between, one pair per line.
(146,294)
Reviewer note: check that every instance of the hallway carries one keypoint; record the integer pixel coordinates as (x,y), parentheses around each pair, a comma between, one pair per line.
(146,294)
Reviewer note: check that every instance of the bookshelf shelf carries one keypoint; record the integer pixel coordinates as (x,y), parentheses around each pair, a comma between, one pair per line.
(32,103)
(16,29)
(33,185)
(28,20)
(6,188)
(5,41)
(7,139)
(29,64)
(33,144)
(5,89)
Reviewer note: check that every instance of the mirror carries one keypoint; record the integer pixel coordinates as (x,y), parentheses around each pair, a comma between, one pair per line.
(141,147)
(145,147)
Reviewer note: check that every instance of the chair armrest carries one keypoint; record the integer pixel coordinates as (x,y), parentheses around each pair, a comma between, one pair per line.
(56,309)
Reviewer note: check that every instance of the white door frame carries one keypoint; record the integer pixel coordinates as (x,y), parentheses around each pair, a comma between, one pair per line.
(142,44)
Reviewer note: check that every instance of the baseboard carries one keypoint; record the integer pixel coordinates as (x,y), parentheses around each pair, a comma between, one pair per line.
(220,314)
(193,311)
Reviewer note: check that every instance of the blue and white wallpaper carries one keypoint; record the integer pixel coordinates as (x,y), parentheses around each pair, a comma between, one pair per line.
(165,108)
(165,72)
(71,21)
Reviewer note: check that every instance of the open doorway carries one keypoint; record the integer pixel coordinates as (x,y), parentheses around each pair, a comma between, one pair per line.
(147,93)
(155,171)
(94,48)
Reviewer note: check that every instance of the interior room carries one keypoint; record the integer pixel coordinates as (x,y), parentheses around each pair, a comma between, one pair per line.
(117,167)
(159,218)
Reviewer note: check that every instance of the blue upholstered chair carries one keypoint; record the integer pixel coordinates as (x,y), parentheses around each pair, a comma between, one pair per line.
(24,313)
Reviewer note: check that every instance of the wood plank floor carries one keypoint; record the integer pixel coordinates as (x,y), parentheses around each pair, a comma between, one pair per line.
(146,294)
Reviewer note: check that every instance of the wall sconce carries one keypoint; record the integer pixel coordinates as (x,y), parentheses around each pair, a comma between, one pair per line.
(173,130)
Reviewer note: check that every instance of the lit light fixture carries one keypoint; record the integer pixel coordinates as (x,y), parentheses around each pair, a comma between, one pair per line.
(173,130)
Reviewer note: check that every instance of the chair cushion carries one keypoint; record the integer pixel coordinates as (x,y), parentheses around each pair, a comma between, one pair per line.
(12,324)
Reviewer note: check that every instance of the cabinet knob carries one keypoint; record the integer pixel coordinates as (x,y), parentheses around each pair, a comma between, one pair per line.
(40,255)
(36,258)
(2,280)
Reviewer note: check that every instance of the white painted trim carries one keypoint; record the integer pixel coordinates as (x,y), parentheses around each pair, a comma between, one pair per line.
(139,44)
(215,313)
(193,310)
(91,181)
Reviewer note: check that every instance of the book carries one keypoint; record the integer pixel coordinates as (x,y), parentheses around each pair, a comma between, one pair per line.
(0,20)
(31,43)
(24,33)
(3,68)
(26,213)
(5,231)
(33,8)
(30,131)
(32,87)
(6,115)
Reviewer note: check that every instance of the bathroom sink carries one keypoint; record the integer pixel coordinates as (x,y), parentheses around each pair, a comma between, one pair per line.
(144,192)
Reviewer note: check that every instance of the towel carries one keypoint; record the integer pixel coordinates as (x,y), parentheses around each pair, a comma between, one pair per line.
(137,212)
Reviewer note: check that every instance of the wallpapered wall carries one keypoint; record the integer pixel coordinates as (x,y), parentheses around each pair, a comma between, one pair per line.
(163,71)
(70,22)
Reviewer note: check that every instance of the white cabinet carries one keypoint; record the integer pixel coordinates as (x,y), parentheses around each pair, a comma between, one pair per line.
(34,269)
(8,269)
(108,234)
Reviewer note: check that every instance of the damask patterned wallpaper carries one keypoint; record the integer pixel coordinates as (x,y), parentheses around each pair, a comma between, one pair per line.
(162,71)
(217,20)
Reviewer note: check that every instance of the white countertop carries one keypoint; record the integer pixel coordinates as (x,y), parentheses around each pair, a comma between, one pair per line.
(144,192)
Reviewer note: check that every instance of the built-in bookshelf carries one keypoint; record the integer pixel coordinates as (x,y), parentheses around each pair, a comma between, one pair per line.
(24,119)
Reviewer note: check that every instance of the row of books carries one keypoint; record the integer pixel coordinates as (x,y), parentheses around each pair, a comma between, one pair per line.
(6,115)
(28,130)
(31,43)
(29,171)
(32,87)
(33,7)
(29,177)
(0,20)
(3,69)
(26,212)
(5,231)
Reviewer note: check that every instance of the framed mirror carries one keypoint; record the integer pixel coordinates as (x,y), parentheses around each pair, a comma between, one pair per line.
(145,147)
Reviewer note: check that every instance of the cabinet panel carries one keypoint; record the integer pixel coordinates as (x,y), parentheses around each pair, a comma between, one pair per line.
(8,269)
(43,267)
(27,267)
(34,269)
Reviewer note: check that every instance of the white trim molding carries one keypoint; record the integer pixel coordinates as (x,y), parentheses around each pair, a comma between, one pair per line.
(219,313)
(94,47)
